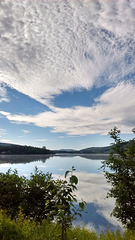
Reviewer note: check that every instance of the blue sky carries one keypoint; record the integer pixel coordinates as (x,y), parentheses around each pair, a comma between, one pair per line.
(67,71)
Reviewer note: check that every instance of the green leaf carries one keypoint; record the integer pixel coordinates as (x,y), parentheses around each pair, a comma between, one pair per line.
(74,179)
(66,173)
(61,213)
(73,168)
(82,205)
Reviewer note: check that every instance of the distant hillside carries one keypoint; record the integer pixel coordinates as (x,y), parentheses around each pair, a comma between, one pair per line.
(66,151)
(5,144)
(6,148)
(93,150)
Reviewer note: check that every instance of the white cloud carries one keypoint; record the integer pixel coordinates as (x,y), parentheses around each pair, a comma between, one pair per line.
(41,140)
(52,46)
(115,107)
(2,132)
(48,47)
(3,94)
(3,140)
(25,131)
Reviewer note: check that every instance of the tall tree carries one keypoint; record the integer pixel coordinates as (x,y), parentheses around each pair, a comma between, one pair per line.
(121,162)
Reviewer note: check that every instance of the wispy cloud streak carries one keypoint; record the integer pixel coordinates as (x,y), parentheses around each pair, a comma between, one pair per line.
(114,108)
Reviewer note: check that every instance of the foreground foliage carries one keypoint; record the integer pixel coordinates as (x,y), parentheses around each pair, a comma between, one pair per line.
(24,229)
(121,175)
(41,197)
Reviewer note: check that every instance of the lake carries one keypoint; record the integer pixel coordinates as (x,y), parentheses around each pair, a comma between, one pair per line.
(92,186)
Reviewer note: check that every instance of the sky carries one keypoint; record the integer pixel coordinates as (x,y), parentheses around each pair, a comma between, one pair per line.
(67,72)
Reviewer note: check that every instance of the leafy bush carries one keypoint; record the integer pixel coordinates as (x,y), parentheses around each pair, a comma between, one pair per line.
(40,197)
(38,190)
(11,188)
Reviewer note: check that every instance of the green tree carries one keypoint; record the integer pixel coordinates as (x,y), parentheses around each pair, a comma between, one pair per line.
(41,197)
(64,210)
(121,162)
(39,189)
(11,188)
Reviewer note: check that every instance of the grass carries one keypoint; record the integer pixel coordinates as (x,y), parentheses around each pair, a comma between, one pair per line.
(23,229)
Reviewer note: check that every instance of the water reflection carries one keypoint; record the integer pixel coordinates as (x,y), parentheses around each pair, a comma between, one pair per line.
(93,220)
(95,156)
(23,158)
(92,186)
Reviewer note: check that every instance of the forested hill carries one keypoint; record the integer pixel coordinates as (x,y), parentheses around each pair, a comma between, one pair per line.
(90,150)
(93,150)
(19,149)
(6,148)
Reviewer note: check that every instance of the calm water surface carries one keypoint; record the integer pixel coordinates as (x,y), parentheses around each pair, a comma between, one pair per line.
(92,185)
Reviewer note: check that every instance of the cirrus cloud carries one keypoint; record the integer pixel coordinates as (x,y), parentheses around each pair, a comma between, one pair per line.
(3,94)
(49,47)
(66,44)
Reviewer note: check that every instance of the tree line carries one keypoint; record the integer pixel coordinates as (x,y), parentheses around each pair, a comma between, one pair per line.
(18,149)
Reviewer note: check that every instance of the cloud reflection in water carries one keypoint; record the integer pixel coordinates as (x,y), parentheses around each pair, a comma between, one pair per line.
(93,188)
